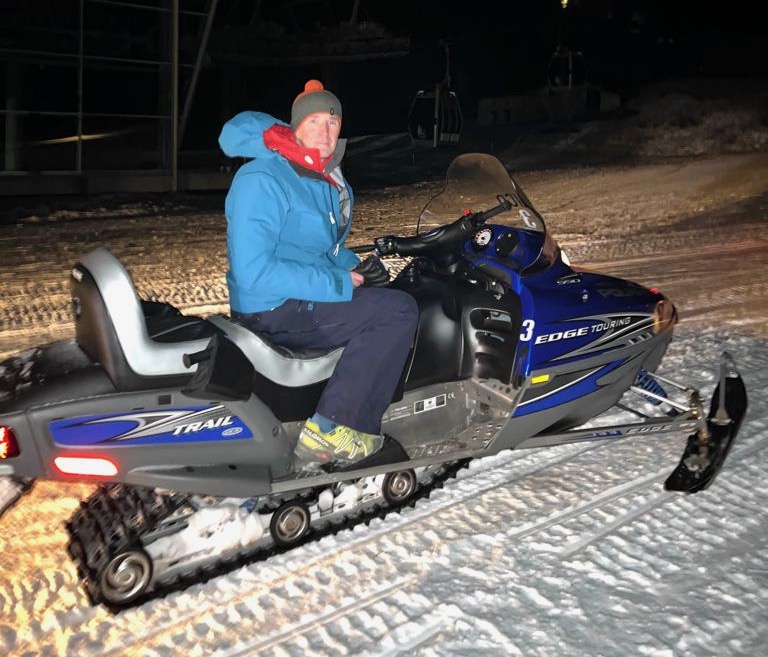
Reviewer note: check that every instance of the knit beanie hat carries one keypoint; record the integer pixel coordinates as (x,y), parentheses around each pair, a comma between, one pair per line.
(314,98)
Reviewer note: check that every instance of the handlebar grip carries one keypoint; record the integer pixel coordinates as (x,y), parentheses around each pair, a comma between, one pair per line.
(198,357)
(503,206)
(365,248)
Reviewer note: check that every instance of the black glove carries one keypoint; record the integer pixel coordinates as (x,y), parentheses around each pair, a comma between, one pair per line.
(373,271)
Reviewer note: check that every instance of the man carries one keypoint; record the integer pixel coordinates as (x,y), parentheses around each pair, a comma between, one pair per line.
(291,278)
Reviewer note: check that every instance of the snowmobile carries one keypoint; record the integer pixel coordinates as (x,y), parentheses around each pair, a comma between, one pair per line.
(188,424)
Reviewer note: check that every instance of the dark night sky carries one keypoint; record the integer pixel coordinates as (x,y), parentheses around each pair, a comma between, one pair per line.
(504,47)
(499,48)
(496,48)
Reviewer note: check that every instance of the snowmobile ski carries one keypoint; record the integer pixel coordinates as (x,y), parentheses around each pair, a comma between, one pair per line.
(708,447)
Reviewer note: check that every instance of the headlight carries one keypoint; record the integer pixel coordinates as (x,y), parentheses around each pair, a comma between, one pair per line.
(564,257)
(664,316)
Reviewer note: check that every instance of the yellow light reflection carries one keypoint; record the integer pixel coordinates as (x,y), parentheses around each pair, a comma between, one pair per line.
(74,138)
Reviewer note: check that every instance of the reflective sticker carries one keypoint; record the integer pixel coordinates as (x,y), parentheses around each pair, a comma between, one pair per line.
(430,404)
(570,279)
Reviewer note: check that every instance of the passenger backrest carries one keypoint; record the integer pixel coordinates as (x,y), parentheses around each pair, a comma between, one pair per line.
(110,327)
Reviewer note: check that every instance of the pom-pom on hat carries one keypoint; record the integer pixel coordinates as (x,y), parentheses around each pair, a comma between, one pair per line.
(314,98)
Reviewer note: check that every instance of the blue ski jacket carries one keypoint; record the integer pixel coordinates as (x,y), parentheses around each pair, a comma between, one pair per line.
(284,239)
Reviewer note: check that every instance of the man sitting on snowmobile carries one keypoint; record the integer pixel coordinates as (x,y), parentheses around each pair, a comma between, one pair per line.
(290,277)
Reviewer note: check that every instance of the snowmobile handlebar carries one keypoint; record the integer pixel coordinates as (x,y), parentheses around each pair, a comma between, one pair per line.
(437,241)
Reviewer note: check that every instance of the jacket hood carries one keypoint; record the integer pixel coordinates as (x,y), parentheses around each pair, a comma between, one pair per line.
(243,135)
(259,135)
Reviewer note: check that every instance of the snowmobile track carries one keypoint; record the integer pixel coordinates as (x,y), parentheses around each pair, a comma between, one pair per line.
(110,521)
(116,516)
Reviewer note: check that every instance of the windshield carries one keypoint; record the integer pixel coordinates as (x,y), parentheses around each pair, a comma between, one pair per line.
(476,182)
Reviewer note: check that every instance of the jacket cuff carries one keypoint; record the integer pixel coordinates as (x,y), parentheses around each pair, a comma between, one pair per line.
(347,258)
(344,282)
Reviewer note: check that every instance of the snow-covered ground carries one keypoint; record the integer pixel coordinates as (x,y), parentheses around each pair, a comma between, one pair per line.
(574,550)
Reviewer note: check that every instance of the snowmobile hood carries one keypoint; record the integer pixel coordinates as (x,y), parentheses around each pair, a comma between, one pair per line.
(243,135)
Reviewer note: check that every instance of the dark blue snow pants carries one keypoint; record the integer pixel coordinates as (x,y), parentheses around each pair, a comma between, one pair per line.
(376,329)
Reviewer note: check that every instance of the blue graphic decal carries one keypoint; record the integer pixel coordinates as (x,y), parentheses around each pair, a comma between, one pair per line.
(147,427)
(574,389)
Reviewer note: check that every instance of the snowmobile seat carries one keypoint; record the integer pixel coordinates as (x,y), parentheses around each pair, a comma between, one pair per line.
(292,368)
(140,344)
(166,323)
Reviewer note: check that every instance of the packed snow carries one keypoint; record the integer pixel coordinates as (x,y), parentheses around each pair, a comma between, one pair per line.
(565,551)
(572,550)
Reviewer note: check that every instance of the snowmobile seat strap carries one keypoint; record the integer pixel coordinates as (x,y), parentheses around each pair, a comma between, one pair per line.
(276,363)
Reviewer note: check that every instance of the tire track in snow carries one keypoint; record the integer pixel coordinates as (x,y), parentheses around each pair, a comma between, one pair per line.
(667,247)
(596,502)
(610,495)
(737,455)
(257,646)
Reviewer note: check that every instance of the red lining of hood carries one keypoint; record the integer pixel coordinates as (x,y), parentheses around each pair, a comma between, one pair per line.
(280,138)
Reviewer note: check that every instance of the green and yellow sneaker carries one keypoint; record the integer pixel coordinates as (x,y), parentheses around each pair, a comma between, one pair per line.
(339,444)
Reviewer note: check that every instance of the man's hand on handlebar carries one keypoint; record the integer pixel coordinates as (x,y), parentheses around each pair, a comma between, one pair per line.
(373,271)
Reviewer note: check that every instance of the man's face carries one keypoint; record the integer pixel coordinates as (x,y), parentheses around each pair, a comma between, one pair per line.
(321,131)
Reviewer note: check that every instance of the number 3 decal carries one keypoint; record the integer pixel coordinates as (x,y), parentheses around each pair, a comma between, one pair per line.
(527,333)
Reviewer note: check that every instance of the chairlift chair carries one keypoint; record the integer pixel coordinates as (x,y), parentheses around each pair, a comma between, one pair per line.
(435,117)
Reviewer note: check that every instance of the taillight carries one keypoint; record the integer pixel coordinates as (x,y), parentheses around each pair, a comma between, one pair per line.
(9,446)
(92,466)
